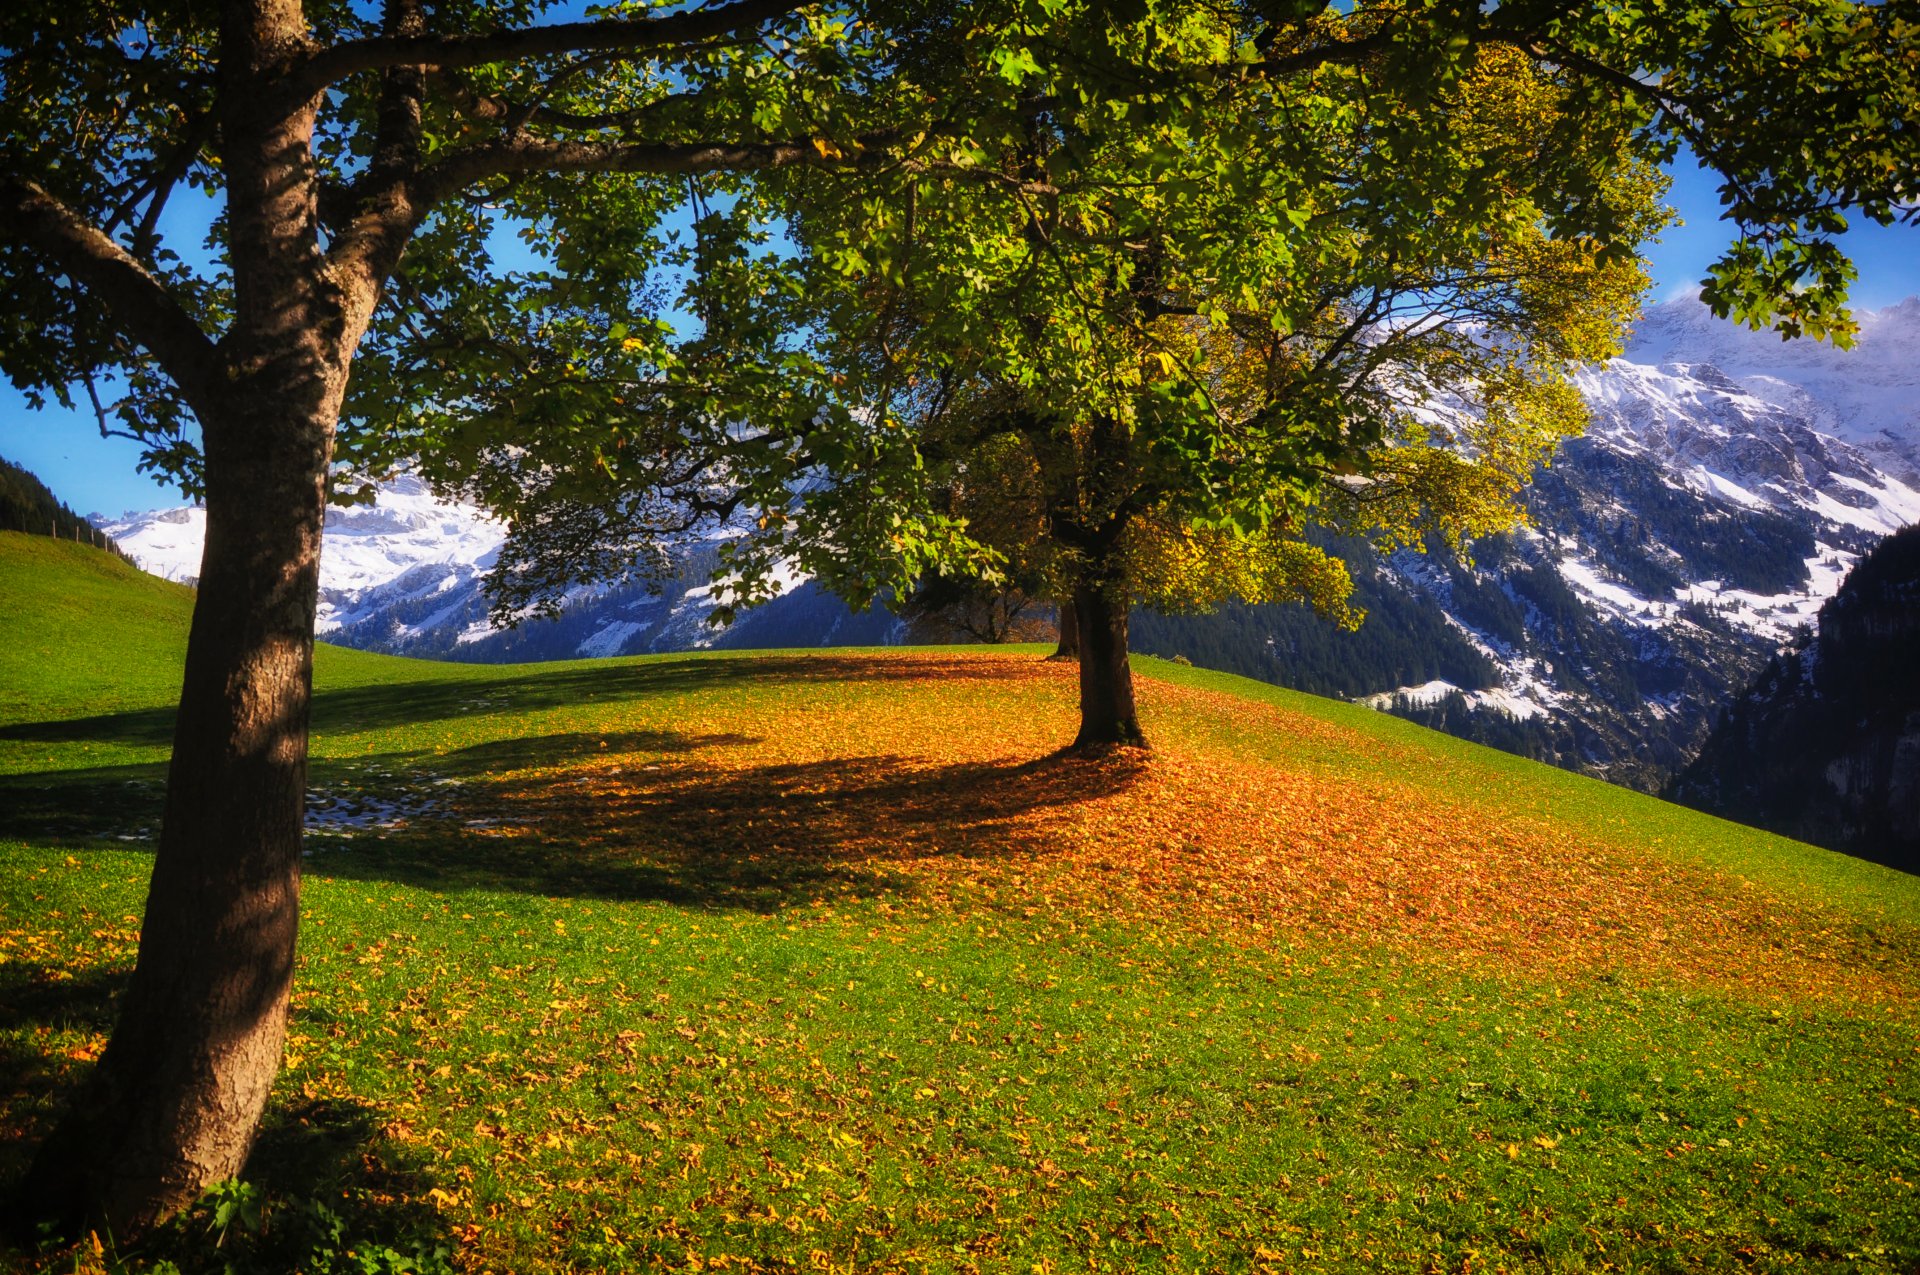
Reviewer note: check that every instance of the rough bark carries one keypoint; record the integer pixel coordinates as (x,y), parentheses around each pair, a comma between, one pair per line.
(1069,647)
(1096,531)
(1087,512)
(1108,718)
(176,1098)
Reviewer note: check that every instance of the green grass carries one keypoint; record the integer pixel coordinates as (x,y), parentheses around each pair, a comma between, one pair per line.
(791,963)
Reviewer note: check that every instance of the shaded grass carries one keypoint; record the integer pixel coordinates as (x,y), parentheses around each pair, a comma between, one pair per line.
(777,961)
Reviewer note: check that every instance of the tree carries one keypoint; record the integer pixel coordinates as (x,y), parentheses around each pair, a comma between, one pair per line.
(1346,290)
(1208,327)
(362,158)
(363,161)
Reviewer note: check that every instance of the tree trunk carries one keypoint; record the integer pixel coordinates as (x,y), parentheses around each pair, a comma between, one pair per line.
(173,1105)
(1069,648)
(175,1101)
(1108,719)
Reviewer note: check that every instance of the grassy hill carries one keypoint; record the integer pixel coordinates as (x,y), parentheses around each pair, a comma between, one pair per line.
(825,961)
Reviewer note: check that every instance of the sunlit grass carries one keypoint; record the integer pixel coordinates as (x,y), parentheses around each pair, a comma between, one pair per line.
(824,961)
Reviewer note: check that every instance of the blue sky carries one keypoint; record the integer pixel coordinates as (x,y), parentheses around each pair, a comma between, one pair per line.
(95,474)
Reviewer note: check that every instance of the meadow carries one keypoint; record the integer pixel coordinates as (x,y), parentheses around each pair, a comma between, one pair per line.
(828,960)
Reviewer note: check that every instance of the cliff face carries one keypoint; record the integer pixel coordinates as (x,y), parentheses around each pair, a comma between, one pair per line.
(1825,746)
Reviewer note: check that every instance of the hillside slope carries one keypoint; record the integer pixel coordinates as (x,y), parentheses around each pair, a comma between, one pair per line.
(82,631)
(761,961)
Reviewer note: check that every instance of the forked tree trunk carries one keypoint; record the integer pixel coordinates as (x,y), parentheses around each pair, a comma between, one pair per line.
(1069,647)
(175,1100)
(1108,718)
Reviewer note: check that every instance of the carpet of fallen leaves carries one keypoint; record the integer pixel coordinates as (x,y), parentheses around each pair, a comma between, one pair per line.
(837,962)
(957,792)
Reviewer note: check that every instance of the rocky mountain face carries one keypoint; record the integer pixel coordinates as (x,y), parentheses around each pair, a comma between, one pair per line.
(1726,486)
(1825,745)
(1709,511)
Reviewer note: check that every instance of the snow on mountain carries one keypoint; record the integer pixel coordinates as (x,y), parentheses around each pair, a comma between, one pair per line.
(407,544)
(162,542)
(405,575)
(1712,437)
(1868,396)
(1427,694)
(407,527)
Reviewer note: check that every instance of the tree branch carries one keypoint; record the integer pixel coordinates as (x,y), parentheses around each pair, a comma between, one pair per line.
(515,115)
(509,156)
(403,90)
(139,303)
(444,53)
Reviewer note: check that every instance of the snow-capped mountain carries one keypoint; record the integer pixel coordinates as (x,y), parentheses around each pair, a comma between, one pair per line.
(438,612)
(1730,449)
(1726,485)
(1868,396)
(404,575)
(406,546)
(1700,523)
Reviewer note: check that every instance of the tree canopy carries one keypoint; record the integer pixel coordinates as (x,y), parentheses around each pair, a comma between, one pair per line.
(1202,322)
(1137,214)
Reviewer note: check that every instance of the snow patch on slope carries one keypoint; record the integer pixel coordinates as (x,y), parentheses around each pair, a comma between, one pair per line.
(611,638)
(1427,694)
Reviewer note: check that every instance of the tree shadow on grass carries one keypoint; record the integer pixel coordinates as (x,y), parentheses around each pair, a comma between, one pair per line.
(387,705)
(325,1175)
(68,806)
(527,752)
(74,807)
(631,815)
(37,1002)
(696,832)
